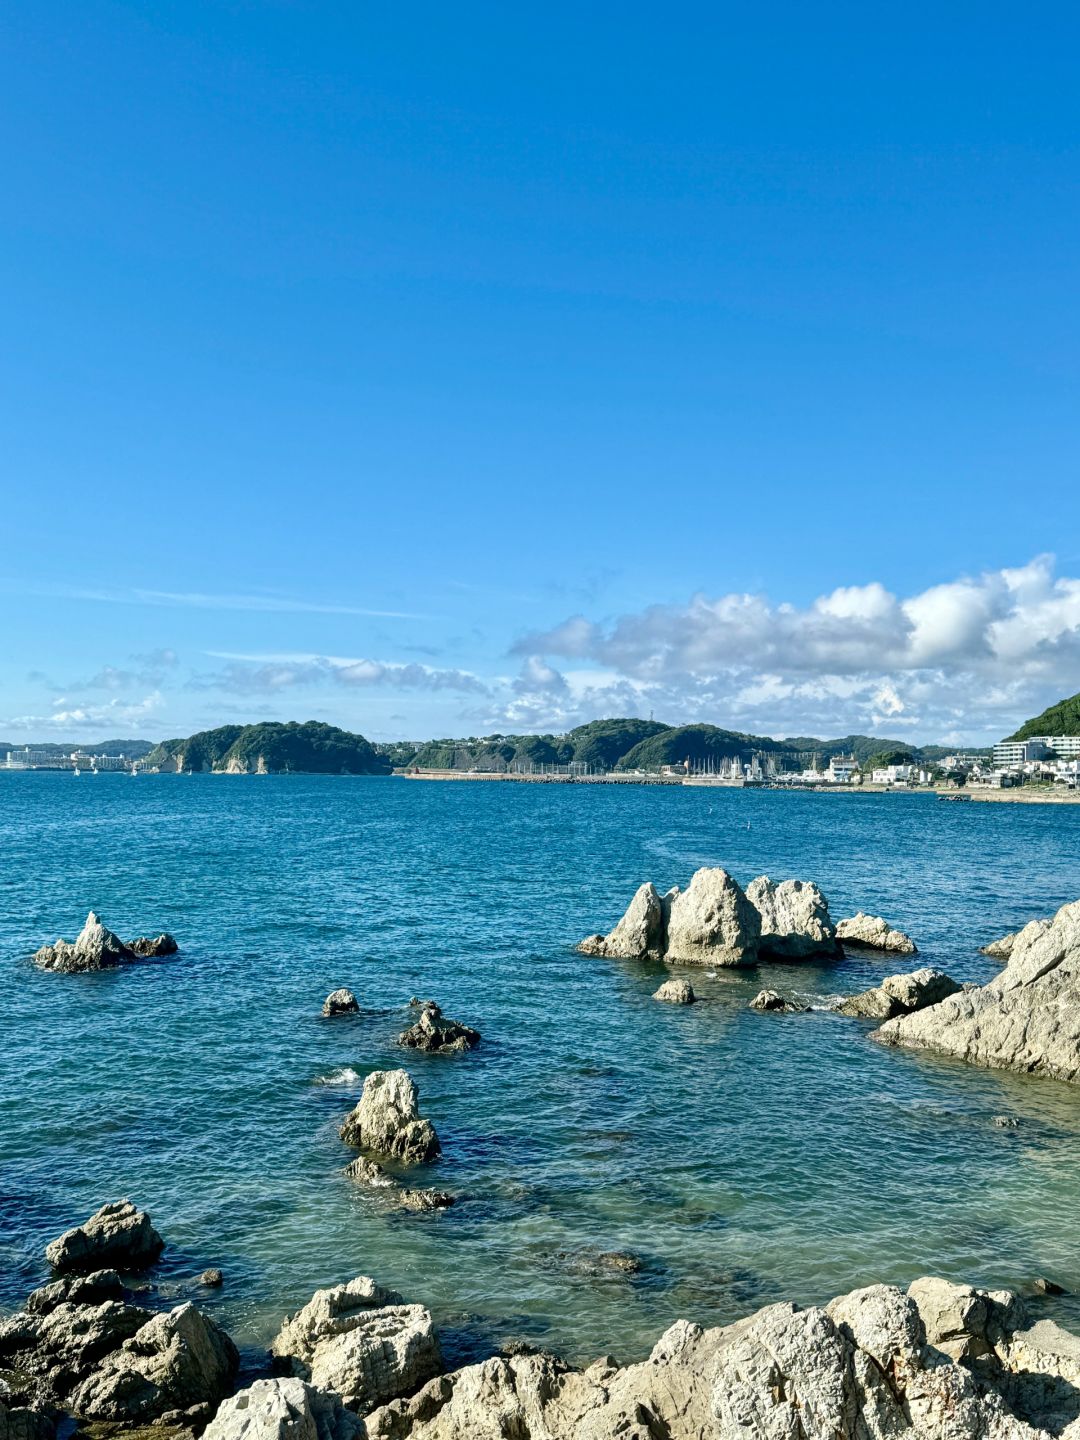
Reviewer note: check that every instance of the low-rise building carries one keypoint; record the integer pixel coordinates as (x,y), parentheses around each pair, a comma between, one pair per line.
(842,769)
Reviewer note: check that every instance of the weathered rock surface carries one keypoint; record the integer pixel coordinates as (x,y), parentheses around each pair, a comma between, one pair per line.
(98,948)
(901,995)
(387,1119)
(282,1409)
(1002,949)
(176,1361)
(361,1342)
(91,1289)
(871,932)
(17,1422)
(676,992)
(425,1201)
(862,1368)
(45,1355)
(795,921)
(772,1000)
(437,1034)
(1027,1018)
(638,935)
(340,1002)
(712,922)
(212,1278)
(370,1173)
(118,1234)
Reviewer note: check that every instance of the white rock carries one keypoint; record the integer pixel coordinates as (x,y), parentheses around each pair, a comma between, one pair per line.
(676,992)
(795,919)
(639,934)
(871,932)
(283,1409)
(712,923)
(387,1119)
(118,1234)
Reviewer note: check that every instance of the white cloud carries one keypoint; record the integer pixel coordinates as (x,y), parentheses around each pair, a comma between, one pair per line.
(261,674)
(71,715)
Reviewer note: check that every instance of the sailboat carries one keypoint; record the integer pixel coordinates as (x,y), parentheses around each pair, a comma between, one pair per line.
(77,770)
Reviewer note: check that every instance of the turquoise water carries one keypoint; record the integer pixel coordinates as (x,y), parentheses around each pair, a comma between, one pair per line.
(743,1157)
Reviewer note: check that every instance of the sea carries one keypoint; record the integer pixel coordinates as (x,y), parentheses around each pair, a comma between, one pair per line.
(740,1158)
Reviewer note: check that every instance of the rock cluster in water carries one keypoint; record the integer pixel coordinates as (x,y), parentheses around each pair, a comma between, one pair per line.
(871,932)
(387,1120)
(1027,1018)
(370,1173)
(434,1032)
(98,948)
(901,995)
(715,922)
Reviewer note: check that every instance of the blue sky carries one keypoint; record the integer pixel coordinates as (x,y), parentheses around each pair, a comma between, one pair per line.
(434,370)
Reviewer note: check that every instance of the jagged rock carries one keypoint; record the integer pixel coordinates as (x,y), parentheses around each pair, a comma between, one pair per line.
(92,1289)
(676,992)
(387,1119)
(97,948)
(19,1423)
(47,1354)
(639,934)
(340,1002)
(857,1369)
(282,1409)
(174,1362)
(434,1033)
(424,1201)
(1027,1018)
(367,1172)
(901,995)
(795,921)
(117,1234)
(212,1278)
(773,1000)
(153,947)
(871,932)
(712,922)
(1002,949)
(360,1341)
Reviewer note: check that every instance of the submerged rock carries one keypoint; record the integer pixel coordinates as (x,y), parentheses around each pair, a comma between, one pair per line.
(871,932)
(1027,1018)
(340,1002)
(676,992)
(772,1000)
(368,1172)
(283,1409)
(118,1234)
(860,1368)
(360,1341)
(387,1119)
(213,1279)
(712,922)
(901,995)
(795,921)
(98,948)
(424,1201)
(435,1033)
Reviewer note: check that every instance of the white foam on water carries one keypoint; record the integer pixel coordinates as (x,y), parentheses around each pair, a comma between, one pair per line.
(345,1076)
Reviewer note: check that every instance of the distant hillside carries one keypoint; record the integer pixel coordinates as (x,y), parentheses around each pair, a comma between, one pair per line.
(133,749)
(309,748)
(697,743)
(1060,719)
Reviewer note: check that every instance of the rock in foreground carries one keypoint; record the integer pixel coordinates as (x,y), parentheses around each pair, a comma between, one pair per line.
(116,1235)
(901,995)
(98,948)
(871,932)
(436,1034)
(1027,1018)
(1002,949)
(387,1119)
(340,1002)
(675,992)
(361,1342)
(877,1364)
(283,1409)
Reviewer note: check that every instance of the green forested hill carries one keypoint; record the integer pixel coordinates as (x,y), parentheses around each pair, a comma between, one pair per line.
(698,743)
(1060,719)
(311,747)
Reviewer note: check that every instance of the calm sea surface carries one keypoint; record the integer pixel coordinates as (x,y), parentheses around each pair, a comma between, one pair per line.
(744,1158)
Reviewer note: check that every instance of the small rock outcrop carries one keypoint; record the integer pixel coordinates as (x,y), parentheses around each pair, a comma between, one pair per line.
(340,1002)
(877,1364)
(795,923)
(360,1341)
(423,1202)
(772,1000)
(436,1034)
(374,1177)
(116,1235)
(676,992)
(98,948)
(901,995)
(176,1361)
(871,932)
(283,1409)
(368,1172)
(387,1119)
(639,935)
(212,1278)
(1027,1018)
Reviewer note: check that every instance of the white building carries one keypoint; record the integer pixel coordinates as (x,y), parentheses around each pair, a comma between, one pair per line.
(1013,753)
(893,775)
(842,768)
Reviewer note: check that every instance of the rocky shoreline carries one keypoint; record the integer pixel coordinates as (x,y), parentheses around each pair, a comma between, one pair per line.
(939,1361)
